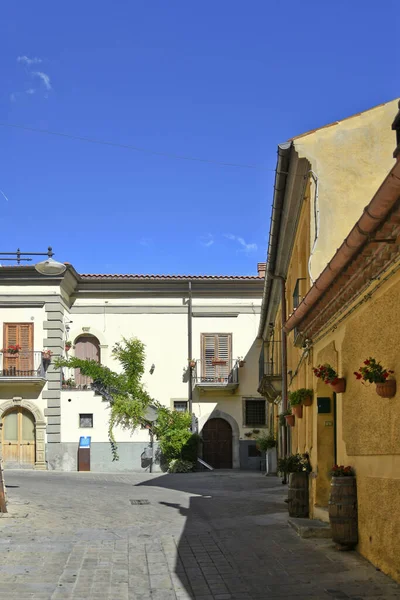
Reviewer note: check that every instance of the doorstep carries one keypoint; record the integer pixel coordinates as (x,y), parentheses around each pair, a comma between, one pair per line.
(321,513)
(310,528)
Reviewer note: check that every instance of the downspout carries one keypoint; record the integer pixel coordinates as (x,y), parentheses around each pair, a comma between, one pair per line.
(190,378)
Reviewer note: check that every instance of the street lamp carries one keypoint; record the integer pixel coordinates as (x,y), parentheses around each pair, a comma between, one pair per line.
(45,267)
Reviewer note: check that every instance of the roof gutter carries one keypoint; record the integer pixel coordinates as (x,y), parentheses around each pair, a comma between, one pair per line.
(281,175)
(373,216)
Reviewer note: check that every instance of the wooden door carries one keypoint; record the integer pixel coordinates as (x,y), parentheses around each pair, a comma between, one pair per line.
(18,439)
(217,443)
(87,347)
(20,364)
(216,347)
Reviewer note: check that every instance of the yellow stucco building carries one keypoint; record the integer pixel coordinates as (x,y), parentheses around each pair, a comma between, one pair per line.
(332,301)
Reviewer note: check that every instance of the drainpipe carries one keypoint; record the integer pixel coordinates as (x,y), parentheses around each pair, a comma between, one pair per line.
(190,379)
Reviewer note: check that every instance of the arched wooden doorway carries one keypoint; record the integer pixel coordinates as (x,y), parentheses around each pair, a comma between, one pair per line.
(87,347)
(18,439)
(217,443)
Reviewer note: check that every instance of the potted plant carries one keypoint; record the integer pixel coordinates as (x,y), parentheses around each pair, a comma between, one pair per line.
(304,395)
(297,466)
(343,507)
(46,358)
(289,417)
(373,372)
(12,349)
(248,434)
(192,363)
(69,383)
(265,442)
(241,361)
(329,376)
(68,345)
(218,361)
(295,403)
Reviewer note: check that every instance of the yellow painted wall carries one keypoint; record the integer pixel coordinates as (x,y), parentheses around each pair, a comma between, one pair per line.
(351,159)
(368,434)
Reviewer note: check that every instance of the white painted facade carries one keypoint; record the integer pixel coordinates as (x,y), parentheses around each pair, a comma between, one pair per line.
(154,310)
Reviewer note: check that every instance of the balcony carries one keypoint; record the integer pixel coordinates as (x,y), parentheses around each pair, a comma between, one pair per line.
(216,374)
(270,371)
(24,367)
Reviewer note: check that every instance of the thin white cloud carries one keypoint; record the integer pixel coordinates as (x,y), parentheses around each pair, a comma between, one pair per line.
(29,61)
(245,247)
(30,91)
(44,77)
(207,240)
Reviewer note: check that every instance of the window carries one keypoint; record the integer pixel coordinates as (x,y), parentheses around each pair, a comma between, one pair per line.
(180,405)
(19,363)
(216,356)
(255,412)
(85,420)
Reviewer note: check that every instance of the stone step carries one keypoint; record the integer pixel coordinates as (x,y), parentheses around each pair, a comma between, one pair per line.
(310,528)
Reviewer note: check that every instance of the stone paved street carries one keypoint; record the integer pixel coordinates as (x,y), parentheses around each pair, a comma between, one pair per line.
(208,536)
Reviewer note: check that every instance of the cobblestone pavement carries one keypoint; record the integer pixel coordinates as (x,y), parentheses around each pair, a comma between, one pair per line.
(208,536)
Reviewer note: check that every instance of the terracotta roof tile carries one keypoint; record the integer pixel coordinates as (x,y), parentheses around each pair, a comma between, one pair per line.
(171,277)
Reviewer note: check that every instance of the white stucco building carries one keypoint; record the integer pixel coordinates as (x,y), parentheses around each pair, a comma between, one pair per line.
(44,412)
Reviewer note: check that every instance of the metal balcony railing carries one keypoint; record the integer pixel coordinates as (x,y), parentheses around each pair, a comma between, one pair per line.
(216,373)
(23,364)
(270,360)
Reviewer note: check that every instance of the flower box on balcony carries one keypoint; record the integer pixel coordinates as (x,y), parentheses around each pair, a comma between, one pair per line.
(219,361)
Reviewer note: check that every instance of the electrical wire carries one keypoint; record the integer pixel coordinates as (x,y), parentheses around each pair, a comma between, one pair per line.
(135,148)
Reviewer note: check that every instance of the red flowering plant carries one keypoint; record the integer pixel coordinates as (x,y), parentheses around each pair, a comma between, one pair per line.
(342,471)
(372,371)
(326,373)
(12,349)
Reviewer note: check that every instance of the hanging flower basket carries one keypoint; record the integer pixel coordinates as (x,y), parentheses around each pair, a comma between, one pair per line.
(329,376)
(297,410)
(290,420)
(387,389)
(307,401)
(373,372)
(68,346)
(192,364)
(339,385)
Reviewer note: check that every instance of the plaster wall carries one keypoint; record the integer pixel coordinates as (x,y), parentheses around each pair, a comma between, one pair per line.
(350,158)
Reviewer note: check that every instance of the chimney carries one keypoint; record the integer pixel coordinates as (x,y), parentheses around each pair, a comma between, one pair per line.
(396,128)
(261,269)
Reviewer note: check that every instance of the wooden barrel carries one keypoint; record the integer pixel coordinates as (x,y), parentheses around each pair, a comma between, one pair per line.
(343,511)
(298,495)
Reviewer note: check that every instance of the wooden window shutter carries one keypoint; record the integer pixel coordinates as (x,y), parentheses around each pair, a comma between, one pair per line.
(20,334)
(216,346)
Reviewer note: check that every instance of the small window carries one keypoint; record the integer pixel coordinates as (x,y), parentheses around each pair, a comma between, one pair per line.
(85,420)
(254,412)
(180,405)
(253,451)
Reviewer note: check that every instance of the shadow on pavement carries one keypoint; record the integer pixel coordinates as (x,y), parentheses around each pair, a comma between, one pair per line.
(217,551)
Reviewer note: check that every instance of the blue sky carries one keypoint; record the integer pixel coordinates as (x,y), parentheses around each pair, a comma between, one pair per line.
(220,80)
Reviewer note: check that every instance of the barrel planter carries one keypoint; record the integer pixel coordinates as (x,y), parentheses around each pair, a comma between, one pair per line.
(298,495)
(343,512)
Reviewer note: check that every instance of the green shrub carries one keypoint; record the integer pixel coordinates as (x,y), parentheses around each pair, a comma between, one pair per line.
(298,396)
(177,465)
(294,463)
(266,441)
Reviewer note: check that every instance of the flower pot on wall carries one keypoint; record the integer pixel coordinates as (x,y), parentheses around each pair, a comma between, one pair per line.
(387,389)
(340,386)
(290,420)
(307,401)
(297,410)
